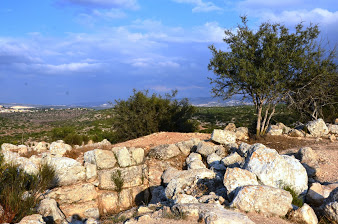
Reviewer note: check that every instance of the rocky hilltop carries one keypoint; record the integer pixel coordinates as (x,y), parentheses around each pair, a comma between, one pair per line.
(199,178)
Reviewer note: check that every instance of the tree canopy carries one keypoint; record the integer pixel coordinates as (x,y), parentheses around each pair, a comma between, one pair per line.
(268,65)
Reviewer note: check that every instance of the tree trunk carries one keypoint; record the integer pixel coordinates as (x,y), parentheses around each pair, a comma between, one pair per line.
(259,118)
(263,130)
(265,117)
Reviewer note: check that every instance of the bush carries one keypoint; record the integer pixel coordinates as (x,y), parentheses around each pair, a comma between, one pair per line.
(141,115)
(61,133)
(19,191)
(118,180)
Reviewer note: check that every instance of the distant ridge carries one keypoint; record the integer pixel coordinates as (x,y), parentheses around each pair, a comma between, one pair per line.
(196,101)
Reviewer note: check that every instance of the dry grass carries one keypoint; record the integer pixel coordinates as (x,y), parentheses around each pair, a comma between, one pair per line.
(280,143)
(29,154)
(75,153)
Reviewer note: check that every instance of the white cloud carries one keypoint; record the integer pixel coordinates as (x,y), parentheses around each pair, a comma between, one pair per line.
(201,6)
(129,4)
(318,15)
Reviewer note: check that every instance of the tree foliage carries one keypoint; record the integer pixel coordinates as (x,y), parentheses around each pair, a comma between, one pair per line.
(268,65)
(142,114)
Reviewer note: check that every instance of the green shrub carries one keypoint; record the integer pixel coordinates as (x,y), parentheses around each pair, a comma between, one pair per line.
(61,133)
(118,180)
(19,191)
(73,139)
(296,200)
(142,114)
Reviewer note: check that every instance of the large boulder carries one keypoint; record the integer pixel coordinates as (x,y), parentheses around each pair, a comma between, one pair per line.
(68,171)
(137,155)
(103,159)
(276,170)
(330,206)
(263,199)
(277,129)
(194,161)
(223,136)
(317,128)
(187,179)
(242,133)
(236,177)
(205,149)
(123,157)
(59,148)
(187,146)
(41,147)
(74,194)
(309,160)
(132,176)
(49,210)
(233,160)
(164,152)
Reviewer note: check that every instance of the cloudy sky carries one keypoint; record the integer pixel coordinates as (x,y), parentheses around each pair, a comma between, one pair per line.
(74,51)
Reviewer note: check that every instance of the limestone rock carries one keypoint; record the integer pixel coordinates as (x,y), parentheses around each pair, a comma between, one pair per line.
(186,146)
(49,209)
(91,171)
(85,210)
(309,160)
(330,206)
(113,202)
(233,160)
(205,149)
(317,128)
(242,133)
(32,219)
(333,128)
(276,170)
(164,152)
(223,136)
(68,171)
(9,147)
(59,148)
(74,194)
(132,176)
(187,178)
(236,177)
(122,156)
(104,159)
(274,130)
(243,149)
(41,147)
(212,213)
(296,133)
(263,199)
(194,161)
(213,159)
(137,155)
(184,199)
(318,193)
(306,215)
(170,174)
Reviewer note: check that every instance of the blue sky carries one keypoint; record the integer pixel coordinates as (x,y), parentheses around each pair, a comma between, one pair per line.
(73,51)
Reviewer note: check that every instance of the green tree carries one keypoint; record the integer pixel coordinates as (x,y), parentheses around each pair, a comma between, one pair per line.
(267,65)
(142,114)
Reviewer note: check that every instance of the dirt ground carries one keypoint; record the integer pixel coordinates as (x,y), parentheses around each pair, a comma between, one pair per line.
(327,154)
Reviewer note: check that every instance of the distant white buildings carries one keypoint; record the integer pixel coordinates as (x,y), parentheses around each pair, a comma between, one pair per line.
(14,109)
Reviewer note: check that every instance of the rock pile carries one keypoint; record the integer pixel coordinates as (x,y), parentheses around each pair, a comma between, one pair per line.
(219,182)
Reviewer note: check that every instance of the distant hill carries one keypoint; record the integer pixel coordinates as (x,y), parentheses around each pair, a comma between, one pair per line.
(196,101)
